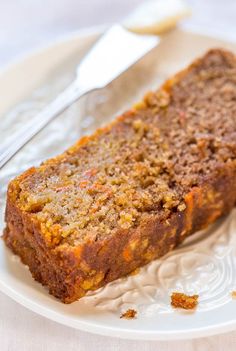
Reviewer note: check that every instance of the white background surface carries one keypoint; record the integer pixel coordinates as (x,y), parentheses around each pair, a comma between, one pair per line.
(24,25)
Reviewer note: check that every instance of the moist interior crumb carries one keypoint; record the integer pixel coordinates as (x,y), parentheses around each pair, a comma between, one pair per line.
(141,166)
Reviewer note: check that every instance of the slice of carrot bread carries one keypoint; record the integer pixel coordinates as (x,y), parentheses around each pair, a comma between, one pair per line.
(134,190)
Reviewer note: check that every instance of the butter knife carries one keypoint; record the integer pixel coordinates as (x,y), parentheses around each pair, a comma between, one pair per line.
(116,51)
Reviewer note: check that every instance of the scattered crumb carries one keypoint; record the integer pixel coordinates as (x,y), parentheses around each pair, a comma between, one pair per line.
(129,314)
(233,294)
(181,207)
(136,271)
(180,300)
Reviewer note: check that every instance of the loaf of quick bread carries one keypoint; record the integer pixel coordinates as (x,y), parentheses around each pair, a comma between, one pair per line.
(133,190)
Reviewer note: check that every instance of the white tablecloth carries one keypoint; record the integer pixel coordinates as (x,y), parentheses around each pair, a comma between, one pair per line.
(24,25)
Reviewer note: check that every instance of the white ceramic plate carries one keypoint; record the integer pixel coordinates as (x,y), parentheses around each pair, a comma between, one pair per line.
(205,264)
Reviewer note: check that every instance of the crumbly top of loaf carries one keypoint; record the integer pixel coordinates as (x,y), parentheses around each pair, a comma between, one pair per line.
(141,165)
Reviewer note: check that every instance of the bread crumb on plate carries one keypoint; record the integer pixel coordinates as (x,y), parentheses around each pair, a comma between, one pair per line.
(129,314)
(233,294)
(187,302)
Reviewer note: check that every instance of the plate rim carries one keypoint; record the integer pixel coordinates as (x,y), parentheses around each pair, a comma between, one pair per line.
(95,328)
(115,332)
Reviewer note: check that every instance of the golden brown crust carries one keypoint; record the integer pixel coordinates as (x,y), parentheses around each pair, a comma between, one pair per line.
(69,271)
